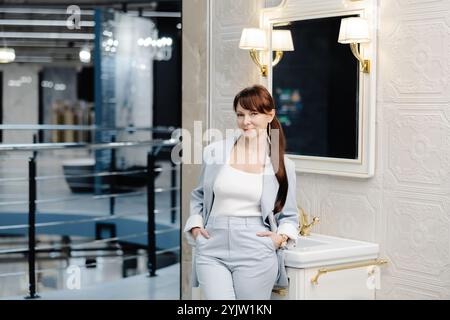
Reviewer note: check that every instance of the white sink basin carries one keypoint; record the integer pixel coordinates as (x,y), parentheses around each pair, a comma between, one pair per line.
(320,250)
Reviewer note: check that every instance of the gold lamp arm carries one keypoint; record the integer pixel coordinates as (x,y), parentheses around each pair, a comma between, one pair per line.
(365,64)
(255,58)
(278,56)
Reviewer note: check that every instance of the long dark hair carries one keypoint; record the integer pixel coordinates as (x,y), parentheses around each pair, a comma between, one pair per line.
(257,98)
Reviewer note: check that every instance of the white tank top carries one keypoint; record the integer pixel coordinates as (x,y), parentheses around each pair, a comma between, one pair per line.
(237,193)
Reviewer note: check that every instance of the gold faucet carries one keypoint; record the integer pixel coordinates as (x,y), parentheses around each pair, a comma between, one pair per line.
(304,225)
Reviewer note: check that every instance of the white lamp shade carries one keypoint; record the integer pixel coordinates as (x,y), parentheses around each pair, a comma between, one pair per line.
(7,55)
(354,30)
(253,38)
(282,40)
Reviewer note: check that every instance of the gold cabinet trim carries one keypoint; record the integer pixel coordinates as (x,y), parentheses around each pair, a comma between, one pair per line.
(322,271)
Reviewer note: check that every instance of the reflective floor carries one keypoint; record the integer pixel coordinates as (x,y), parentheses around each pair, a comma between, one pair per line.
(101,277)
(165,286)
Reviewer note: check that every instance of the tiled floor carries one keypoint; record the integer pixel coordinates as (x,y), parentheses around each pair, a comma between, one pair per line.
(103,282)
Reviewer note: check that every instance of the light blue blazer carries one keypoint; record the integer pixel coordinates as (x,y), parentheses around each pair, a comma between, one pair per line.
(215,155)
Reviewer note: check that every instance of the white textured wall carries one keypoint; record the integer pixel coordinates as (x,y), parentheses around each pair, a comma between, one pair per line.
(231,68)
(413,221)
(405,207)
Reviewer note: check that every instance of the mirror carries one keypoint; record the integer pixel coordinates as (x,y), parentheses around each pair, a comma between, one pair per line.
(324,101)
(315,89)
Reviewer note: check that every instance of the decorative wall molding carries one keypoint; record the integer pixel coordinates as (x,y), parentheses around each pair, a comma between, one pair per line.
(418,149)
(417,235)
(416,63)
(350,215)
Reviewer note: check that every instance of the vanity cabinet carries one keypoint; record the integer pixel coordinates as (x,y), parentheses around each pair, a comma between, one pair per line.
(358,283)
(326,267)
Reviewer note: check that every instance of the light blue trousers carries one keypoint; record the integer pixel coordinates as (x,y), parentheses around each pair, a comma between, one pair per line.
(235,263)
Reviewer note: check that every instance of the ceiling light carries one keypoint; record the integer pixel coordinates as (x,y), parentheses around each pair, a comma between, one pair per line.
(7,55)
(85,55)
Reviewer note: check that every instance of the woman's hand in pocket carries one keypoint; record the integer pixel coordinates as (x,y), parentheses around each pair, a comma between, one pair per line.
(197,231)
(276,238)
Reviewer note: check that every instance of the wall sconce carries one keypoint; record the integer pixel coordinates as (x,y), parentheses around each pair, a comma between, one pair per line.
(355,30)
(254,39)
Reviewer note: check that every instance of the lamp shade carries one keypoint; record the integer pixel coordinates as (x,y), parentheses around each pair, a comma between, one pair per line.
(354,30)
(282,40)
(253,38)
(7,55)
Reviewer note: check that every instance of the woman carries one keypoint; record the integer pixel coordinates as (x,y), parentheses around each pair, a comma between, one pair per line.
(244,209)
